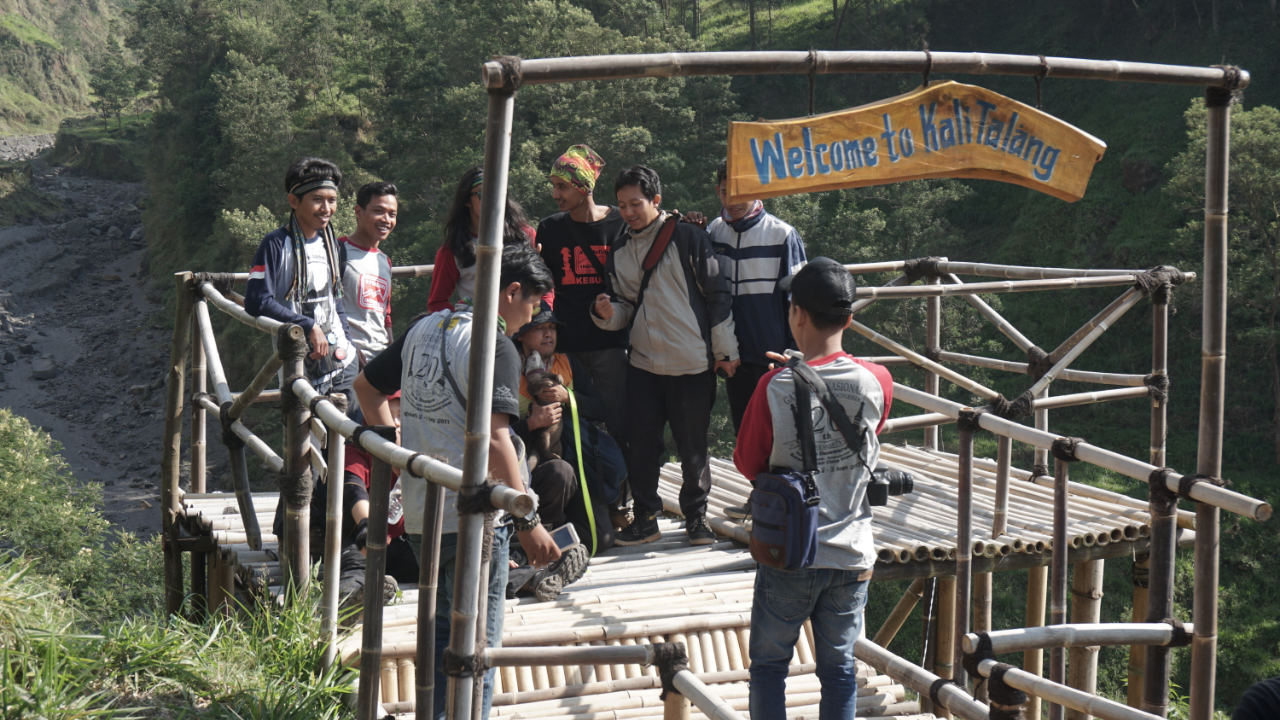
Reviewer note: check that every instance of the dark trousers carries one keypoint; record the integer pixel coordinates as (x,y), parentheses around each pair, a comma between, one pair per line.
(684,402)
(608,369)
(560,500)
(740,388)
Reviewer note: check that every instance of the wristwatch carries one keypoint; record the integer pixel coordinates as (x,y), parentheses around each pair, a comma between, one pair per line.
(528,523)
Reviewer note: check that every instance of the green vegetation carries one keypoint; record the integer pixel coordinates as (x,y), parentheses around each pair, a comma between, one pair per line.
(111,149)
(21,29)
(19,198)
(80,633)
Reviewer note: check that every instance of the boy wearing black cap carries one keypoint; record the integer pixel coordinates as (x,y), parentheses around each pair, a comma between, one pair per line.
(833,591)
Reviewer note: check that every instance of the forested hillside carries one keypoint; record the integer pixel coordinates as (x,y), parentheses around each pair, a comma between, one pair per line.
(389,89)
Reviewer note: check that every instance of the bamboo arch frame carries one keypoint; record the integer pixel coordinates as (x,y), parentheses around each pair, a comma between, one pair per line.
(503,77)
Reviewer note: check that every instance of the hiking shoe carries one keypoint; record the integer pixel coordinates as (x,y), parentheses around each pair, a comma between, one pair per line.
(620,518)
(643,529)
(351,582)
(698,530)
(738,512)
(569,569)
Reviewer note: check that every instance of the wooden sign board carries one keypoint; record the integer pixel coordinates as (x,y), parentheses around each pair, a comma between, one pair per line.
(946,130)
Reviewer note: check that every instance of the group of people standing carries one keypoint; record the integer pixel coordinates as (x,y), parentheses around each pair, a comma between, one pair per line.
(637,309)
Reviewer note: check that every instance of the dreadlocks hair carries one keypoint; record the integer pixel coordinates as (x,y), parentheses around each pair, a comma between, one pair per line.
(457,230)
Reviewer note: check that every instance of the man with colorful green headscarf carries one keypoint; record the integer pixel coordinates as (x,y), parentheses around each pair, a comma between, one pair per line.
(575,245)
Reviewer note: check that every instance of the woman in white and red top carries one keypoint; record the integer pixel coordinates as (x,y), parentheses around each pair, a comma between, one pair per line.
(455,267)
(366,275)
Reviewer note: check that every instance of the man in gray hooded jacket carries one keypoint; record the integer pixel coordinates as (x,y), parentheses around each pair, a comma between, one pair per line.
(681,320)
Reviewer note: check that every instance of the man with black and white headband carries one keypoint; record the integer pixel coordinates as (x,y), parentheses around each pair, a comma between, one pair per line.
(297,276)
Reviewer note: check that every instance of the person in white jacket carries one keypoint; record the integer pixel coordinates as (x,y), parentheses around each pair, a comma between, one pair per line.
(681,320)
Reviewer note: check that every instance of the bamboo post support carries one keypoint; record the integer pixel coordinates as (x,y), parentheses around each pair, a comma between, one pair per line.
(964,546)
(332,542)
(1033,659)
(198,418)
(1074,635)
(428,582)
(1155,692)
(171,461)
(1004,326)
(933,336)
(1064,696)
(295,478)
(241,401)
(952,698)
(1086,608)
(1097,327)
(1086,376)
(945,638)
(255,443)
(475,461)
(482,617)
(1138,652)
(1201,492)
(374,572)
(1058,576)
(1213,367)
(892,624)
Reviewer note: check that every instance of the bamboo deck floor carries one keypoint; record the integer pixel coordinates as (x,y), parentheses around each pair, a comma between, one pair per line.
(670,591)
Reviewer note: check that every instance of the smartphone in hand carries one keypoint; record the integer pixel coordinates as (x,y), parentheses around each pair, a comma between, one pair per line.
(565,536)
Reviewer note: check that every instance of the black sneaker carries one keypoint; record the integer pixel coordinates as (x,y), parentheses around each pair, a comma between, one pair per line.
(643,529)
(698,530)
(738,512)
(351,582)
(569,569)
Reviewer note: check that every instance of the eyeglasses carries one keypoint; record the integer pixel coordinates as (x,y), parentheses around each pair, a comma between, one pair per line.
(478,194)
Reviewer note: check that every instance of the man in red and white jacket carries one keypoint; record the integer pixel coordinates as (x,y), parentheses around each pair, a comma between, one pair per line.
(366,274)
(833,591)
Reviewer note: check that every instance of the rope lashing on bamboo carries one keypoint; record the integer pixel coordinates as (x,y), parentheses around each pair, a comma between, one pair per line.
(1158,282)
(1159,385)
(935,686)
(290,350)
(1185,484)
(813,71)
(928,65)
(1229,93)
(1038,363)
(921,267)
(229,437)
(475,500)
(1181,637)
(1091,594)
(968,420)
(1141,575)
(224,283)
(512,76)
(297,488)
(1021,406)
(1037,471)
(1064,448)
(670,658)
(934,353)
(982,651)
(455,665)
(1006,701)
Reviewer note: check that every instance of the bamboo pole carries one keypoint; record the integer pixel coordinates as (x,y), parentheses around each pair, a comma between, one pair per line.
(244,496)
(928,421)
(242,401)
(928,636)
(876,267)
(613,67)
(1085,609)
(933,338)
(992,288)
(1022,272)
(1075,635)
(964,551)
(1033,659)
(255,443)
(1068,374)
(262,322)
(171,461)
(1155,692)
(374,573)
(1058,577)
(1202,492)
(198,419)
(945,639)
(428,581)
(1137,651)
(1004,326)
(953,698)
(892,624)
(295,478)
(463,640)
(1063,696)
(701,696)
(332,542)
(950,375)
(1096,328)
(1213,367)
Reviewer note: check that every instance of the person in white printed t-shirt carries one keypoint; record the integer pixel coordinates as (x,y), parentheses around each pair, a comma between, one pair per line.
(366,276)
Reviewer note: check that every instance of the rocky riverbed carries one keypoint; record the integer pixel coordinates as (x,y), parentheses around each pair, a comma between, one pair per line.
(84,342)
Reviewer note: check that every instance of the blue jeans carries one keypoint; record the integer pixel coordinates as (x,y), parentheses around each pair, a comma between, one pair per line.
(834,599)
(498,571)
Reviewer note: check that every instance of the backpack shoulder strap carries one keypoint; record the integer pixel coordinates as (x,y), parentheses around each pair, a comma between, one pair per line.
(804,425)
(444,364)
(853,436)
(651,259)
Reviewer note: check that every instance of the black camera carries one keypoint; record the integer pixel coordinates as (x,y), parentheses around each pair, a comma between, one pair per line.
(886,481)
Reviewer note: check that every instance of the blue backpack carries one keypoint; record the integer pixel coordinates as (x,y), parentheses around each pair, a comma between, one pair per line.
(784,502)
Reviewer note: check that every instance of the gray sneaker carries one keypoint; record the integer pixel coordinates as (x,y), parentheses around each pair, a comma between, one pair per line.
(738,512)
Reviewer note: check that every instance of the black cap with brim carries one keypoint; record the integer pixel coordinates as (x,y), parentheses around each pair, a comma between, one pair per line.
(822,285)
(543,317)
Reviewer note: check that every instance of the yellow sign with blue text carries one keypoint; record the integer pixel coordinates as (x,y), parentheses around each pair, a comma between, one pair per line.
(945,130)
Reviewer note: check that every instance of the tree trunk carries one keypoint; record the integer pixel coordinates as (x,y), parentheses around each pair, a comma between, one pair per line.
(1213,8)
(751,11)
(696,19)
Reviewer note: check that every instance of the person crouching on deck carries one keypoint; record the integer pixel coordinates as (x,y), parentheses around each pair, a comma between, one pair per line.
(833,591)
(681,321)
(429,365)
